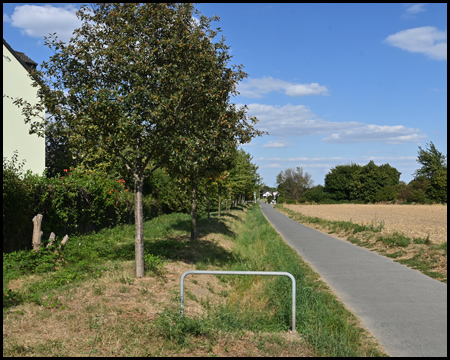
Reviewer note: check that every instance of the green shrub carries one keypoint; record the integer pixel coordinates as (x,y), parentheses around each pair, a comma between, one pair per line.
(154,264)
(387,193)
(16,206)
(395,239)
(285,200)
(316,194)
(79,201)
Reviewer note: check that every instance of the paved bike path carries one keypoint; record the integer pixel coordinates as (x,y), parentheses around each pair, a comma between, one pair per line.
(405,310)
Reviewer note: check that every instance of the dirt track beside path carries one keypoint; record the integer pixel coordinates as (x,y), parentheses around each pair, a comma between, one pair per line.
(414,221)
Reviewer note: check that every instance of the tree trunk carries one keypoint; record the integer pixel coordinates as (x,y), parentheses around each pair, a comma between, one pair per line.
(37,233)
(207,202)
(139,226)
(226,202)
(194,212)
(220,200)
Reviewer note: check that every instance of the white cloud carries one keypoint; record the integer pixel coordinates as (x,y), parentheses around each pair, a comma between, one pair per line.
(415,8)
(386,159)
(271,166)
(305,159)
(275,144)
(299,120)
(427,40)
(305,89)
(256,88)
(291,120)
(397,134)
(39,21)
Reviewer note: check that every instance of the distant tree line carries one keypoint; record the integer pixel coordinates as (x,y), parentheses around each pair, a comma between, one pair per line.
(370,183)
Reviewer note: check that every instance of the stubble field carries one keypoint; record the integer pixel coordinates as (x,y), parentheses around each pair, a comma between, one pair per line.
(414,221)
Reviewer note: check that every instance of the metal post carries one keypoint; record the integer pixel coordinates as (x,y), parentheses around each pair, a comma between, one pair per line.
(212,272)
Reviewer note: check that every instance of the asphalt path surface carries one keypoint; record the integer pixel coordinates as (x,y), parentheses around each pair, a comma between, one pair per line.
(405,310)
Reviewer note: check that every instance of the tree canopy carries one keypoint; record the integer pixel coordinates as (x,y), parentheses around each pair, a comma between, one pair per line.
(143,84)
(434,169)
(431,160)
(292,183)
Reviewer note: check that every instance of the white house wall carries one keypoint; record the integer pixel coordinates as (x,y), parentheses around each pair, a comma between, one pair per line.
(17,83)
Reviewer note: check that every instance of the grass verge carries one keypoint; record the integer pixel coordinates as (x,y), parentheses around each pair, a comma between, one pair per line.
(85,301)
(419,254)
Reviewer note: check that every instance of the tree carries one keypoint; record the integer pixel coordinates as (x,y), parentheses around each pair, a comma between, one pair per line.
(437,190)
(127,87)
(370,179)
(315,194)
(244,178)
(337,181)
(293,183)
(361,183)
(434,169)
(431,160)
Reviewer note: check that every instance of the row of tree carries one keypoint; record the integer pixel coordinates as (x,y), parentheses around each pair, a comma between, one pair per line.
(370,183)
(79,200)
(144,86)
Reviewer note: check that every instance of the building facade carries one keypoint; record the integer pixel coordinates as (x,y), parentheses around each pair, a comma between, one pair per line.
(16,136)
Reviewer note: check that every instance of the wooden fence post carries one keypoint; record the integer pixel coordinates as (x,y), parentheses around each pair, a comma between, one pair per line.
(51,239)
(37,233)
(63,242)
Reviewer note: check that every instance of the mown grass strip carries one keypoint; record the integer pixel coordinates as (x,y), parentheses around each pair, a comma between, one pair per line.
(321,318)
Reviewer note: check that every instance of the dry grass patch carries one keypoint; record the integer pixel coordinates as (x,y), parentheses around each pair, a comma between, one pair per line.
(114,315)
(414,221)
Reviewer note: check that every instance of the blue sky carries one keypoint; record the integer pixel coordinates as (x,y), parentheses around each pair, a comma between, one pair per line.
(331,83)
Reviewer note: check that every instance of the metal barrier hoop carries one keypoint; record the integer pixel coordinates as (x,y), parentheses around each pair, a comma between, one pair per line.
(218,272)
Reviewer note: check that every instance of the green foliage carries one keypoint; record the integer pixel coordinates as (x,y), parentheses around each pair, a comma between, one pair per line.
(368,183)
(315,194)
(78,202)
(282,199)
(414,192)
(434,169)
(372,183)
(431,160)
(243,177)
(387,193)
(292,183)
(31,262)
(167,194)
(83,200)
(395,239)
(370,179)
(154,264)
(143,85)
(337,181)
(437,190)
(17,194)
(171,326)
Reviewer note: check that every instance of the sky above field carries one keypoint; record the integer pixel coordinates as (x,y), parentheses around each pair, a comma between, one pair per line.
(332,84)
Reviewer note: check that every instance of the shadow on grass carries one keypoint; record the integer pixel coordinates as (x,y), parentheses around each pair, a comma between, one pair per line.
(182,248)
(189,251)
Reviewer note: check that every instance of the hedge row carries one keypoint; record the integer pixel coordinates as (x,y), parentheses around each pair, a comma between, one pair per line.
(79,201)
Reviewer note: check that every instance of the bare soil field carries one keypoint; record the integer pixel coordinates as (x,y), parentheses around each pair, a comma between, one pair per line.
(413,221)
